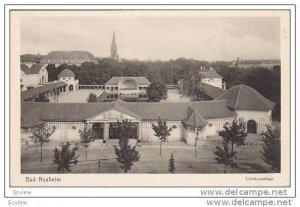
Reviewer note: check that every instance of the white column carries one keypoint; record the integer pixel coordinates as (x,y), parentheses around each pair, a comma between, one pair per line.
(139,130)
(106,131)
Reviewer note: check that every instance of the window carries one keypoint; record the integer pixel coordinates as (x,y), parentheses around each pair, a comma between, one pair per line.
(140,88)
(107,88)
(116,88)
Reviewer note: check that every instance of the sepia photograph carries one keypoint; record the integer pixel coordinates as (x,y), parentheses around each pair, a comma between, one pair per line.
(188,93)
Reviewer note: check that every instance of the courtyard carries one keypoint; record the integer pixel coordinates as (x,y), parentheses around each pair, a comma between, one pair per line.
(248,158)
(81,96)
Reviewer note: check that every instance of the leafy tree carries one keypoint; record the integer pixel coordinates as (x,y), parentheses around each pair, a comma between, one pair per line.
(271,151)
(235,134)
(41,134)
(65,157)
(172,164)
(199,93)
(162,131)
(86,138)
(156,92)
(224,156)
(92,98)
(42,98)
(126,154)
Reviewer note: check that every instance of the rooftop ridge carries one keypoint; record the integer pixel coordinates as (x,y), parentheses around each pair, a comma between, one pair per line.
(237,97)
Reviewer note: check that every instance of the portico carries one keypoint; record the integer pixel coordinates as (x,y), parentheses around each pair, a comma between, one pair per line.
(104,125)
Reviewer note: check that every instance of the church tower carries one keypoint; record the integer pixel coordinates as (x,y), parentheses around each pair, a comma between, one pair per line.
(113,50)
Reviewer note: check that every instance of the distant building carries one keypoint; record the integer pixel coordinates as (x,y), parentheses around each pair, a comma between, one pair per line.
(68,77)
(50,92)
(34,76)
(211,77)
(68,57)
(113,50)
(256,63)
(125,88)
(30,60)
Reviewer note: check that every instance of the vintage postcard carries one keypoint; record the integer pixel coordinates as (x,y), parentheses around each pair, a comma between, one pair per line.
(150,98)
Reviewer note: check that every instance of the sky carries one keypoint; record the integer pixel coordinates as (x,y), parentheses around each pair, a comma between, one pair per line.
(155,37)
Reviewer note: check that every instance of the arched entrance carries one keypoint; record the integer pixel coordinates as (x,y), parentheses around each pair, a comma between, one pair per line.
(251,126)
(97,131)
(70,87)
(114,131)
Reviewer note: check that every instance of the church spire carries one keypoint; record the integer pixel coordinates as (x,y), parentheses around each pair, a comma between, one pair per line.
(113,50)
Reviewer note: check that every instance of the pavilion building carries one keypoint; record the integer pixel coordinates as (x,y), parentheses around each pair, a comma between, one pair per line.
(189,120)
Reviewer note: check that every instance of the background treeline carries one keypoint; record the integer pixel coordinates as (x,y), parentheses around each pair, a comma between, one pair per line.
(266,81)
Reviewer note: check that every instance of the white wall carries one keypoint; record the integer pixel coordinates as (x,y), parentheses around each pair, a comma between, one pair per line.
(217,82)
(66,130)
(70,81)
(148,133)
(33,80)
(262,118)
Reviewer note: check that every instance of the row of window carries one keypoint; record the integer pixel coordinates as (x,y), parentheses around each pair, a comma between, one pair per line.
(66,78)
(142,96)
(66,61)
(111,88)
(116,88)
(116,95)
(112,96)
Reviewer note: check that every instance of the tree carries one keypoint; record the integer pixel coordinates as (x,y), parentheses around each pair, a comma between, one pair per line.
(271,151)
(92,98)
(65,157)
(41,134)
(172,164)
(162,131)
(42,98)
(235,134)
(86,138)
(126,154)
(223,156)
(156,92)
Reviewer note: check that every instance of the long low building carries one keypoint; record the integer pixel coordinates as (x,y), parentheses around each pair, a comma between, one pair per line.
(186,119)
(50,90)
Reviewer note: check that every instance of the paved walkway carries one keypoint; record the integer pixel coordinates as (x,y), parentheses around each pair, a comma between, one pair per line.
(80,96)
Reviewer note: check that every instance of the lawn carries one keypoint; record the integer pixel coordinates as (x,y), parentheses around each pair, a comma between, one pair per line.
(248,159)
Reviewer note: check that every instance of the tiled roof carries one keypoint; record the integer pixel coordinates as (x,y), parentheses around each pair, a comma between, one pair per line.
(142,110)
(139,80)
(31,119)
(35,69)
(25,68)
(242,97)
(69,55)
(66,73)
(30,58)
(194,118)
(39,90)
(211,91)
(209,73)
